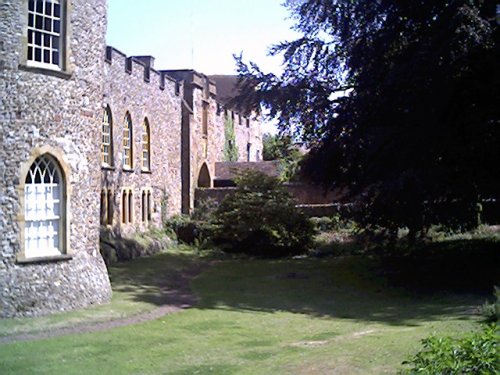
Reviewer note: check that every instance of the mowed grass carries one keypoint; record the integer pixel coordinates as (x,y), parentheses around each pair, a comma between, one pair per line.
(138,287)
(298,316)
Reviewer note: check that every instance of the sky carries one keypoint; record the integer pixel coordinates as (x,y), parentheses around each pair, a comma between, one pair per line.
(200,34)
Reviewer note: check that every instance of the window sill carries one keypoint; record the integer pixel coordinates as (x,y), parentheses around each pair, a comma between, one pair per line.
(43,259)
(146,171)
(128,170)
(50,72)
(107,167)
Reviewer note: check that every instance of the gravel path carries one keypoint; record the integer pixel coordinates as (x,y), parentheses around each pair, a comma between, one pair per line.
(177,297)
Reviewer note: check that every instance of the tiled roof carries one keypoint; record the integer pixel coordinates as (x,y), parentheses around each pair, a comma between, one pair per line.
(226,87)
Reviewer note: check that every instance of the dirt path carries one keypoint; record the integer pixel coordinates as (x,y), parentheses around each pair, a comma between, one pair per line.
(177,297)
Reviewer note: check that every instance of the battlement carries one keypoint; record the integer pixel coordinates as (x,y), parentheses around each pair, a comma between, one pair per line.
(146,65)
(196,79)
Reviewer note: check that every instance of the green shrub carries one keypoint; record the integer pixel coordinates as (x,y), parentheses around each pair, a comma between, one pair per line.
(476,353)
(259,218)
(194,229)
(490,311)
(204,210)
(323,223)
(184,228)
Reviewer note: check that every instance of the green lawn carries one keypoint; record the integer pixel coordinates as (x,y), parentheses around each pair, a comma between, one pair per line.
(302,316)
(138,287)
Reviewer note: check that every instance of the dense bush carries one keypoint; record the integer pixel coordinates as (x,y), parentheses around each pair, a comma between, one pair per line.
(194,228)
(183,227)
(475,353)
(491,310)
(259,218)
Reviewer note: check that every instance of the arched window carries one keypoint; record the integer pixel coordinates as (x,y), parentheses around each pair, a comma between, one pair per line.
(124,206)
(104,207)
(146,146)
(144,208)
(204,179)
(150,205)
(127,142)
(107,138)
(110,208)
(44,207)
(130,206)
(204,119)
(146,205)
(127,206)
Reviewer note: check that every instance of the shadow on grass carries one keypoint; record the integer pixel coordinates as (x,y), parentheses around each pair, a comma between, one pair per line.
(458,266)
(448,280)
(159,280)
(442,282)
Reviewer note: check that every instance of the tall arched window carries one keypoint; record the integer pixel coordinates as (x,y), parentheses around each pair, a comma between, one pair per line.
(107,138)
(104,207)
(110,208)
(127,206)
(124,206)
(44,208)
(147,204)
(127,142)
(204,119)
(130,207)
(146,146)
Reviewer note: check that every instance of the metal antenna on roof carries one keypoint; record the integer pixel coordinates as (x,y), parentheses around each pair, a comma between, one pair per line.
(192,31)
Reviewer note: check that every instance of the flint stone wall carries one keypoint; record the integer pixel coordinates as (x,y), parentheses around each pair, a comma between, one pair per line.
(128,91)
(43,110)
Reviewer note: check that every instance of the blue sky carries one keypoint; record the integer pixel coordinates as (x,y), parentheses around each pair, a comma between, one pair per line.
(199,34)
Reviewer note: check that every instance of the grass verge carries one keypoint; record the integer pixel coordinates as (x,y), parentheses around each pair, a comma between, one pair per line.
(300,316)
(138,286)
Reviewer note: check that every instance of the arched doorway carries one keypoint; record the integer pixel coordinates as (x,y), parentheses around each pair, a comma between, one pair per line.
(204,180)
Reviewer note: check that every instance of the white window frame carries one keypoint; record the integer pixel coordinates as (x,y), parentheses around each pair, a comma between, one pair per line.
(45,33)
(146,146)
(107,138)
(44,209)
(128,142)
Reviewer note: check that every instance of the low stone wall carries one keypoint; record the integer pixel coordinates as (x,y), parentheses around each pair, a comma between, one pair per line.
(215,194)
(303,194)
(312,194)
(115,248)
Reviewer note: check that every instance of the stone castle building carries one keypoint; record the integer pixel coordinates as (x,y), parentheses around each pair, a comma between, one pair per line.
(91,138)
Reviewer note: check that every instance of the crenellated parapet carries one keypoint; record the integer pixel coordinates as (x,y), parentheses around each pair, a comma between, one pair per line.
(143,66)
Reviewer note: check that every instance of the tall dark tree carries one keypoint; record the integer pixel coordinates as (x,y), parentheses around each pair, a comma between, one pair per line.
(398,100)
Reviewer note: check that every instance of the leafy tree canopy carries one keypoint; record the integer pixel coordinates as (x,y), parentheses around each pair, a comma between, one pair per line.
(276,147)
(282,147)
(398,101)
